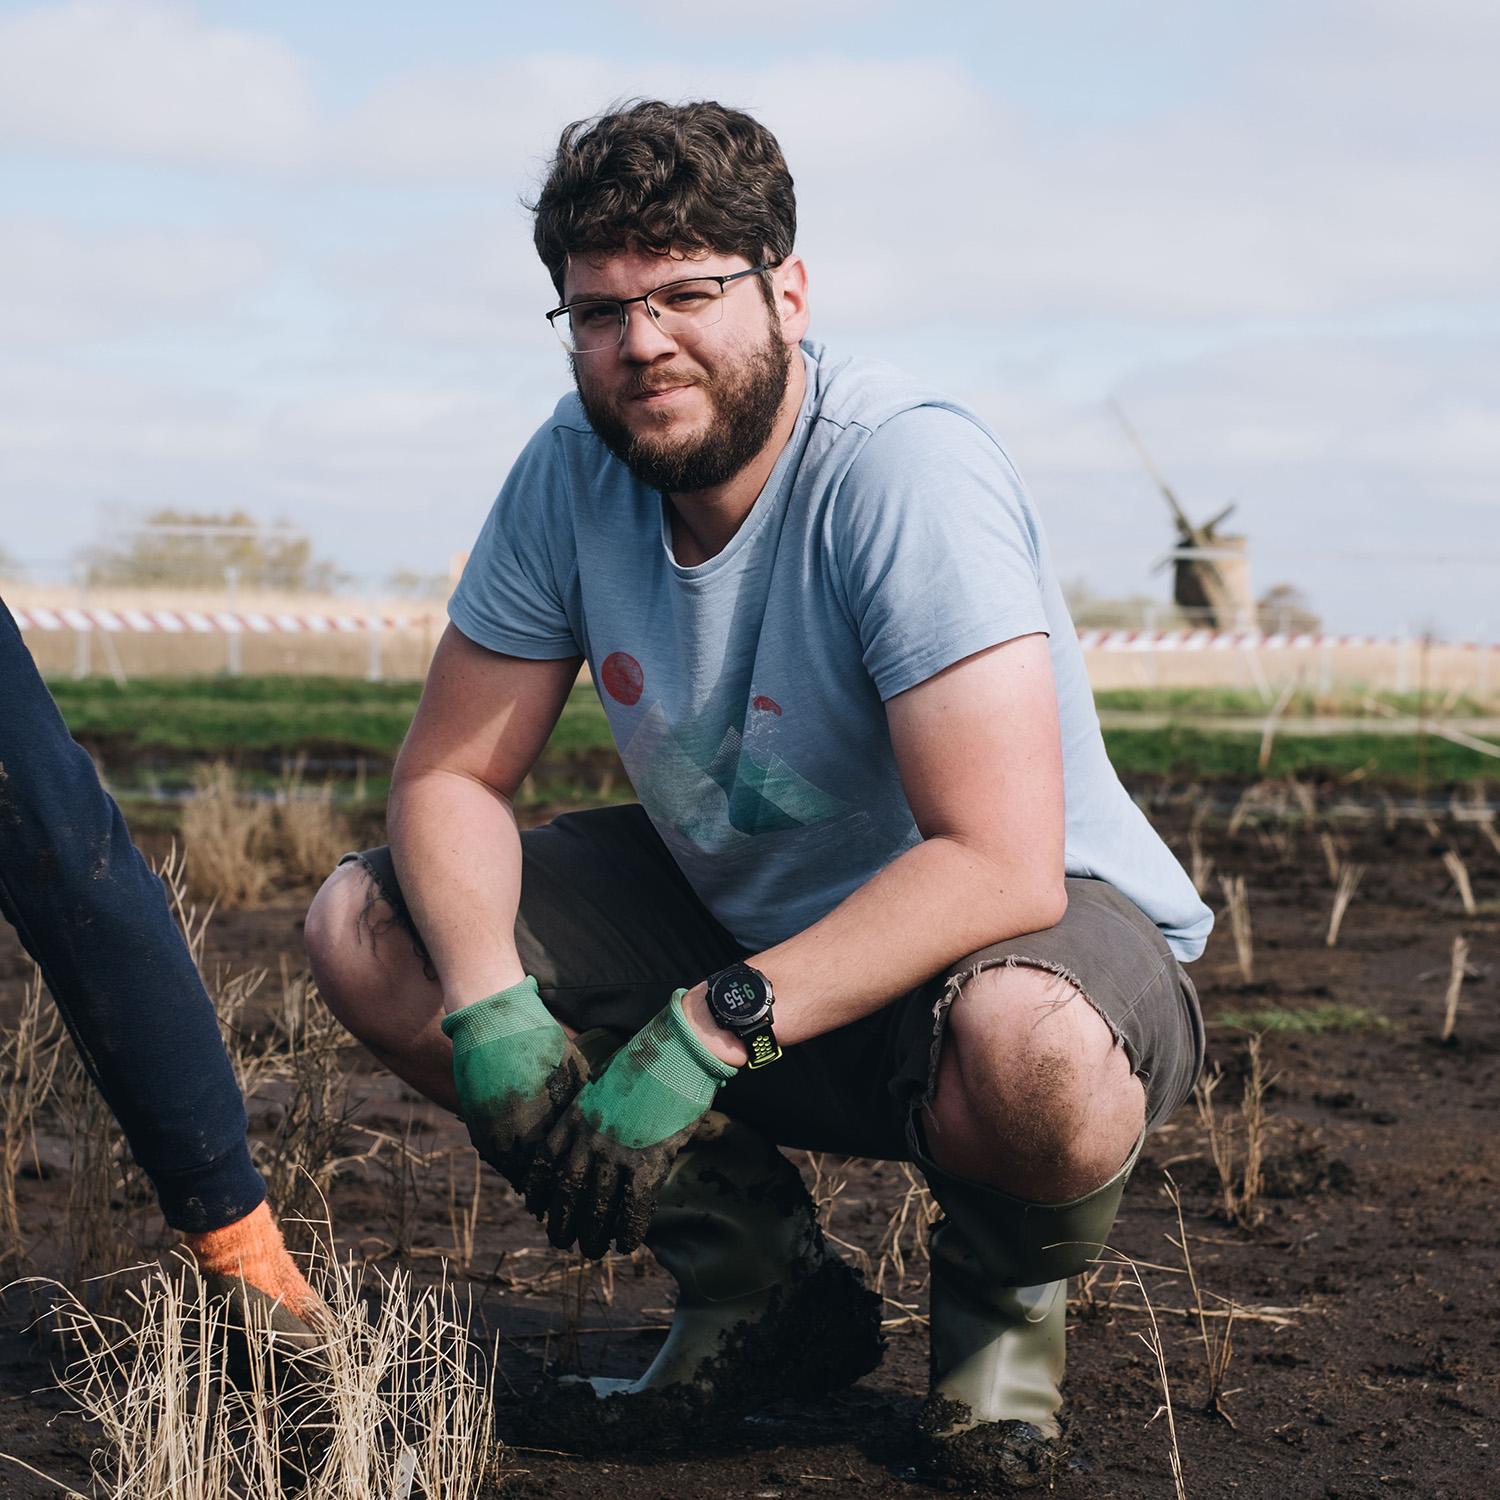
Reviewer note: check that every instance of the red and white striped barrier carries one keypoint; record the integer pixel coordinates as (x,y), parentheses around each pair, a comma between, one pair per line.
(1242,640)
(223,622)
(196,622)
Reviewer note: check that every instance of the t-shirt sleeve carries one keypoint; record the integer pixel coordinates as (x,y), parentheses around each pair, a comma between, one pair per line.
(513,596)
(939,547)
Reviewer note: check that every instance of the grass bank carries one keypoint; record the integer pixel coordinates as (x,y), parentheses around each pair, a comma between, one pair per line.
(259,717)
(1179,752)
(205,717)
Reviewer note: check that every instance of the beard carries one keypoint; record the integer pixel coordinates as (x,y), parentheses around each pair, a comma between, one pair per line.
(744,400)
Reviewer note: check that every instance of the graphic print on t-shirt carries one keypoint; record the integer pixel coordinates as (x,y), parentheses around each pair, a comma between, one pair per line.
(622,678)
(700,778)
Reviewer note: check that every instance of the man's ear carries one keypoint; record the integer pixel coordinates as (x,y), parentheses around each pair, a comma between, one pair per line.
(790,282)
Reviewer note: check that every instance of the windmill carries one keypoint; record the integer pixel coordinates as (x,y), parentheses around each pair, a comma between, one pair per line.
(1211,571)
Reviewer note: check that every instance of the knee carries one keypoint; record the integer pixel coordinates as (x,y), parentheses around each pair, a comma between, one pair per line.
(1032,1036)
(340,940)
(1033,1085)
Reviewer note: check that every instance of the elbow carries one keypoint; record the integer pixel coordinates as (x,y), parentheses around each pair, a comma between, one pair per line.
(1051,903)
(1029,904)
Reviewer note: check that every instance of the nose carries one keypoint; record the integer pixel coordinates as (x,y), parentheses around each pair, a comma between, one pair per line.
(643,340)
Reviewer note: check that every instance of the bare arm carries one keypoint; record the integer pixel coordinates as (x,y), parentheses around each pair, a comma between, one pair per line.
(483,720)
(979,751)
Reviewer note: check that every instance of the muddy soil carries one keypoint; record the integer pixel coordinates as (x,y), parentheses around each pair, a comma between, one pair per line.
(1366,1343)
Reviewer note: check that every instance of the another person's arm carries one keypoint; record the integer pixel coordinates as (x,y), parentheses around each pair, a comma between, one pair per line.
(88,909)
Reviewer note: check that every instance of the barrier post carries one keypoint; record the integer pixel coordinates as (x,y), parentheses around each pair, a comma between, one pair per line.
(81,636)
(232,648)
(373,672)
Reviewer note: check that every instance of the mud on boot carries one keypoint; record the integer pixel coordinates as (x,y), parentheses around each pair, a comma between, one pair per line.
(991,1456)
(997,1363)
(765,1309)
(998,1327)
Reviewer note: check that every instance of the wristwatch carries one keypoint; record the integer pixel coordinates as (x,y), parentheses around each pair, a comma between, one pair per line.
(739,999)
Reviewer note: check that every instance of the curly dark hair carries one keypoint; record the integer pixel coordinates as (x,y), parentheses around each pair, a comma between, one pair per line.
(666,178)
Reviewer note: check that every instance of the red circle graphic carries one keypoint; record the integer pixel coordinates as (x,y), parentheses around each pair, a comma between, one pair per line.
(622,678)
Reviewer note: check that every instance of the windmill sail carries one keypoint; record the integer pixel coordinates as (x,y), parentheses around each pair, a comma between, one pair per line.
(1211,572)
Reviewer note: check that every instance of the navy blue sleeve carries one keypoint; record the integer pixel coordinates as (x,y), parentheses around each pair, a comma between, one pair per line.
(90,912)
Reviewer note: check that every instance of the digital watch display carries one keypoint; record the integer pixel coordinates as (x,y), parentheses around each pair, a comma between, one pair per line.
(740,1000)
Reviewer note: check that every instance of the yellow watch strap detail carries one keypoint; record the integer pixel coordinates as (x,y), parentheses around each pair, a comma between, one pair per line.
(763,1049)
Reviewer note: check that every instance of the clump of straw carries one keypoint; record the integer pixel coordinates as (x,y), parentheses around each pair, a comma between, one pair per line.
(394,1402)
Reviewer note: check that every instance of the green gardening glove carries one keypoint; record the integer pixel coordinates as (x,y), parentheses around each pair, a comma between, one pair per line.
(598,1174)
(515,1071)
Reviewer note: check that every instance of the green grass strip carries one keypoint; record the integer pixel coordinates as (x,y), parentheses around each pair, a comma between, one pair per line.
(1338,1019)
(1346,702)
(1194,754)
(221,715)
(209,716)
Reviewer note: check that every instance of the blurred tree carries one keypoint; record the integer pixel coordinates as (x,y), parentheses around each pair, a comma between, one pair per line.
(191,549)
(408,584)
(1091,611)
(1285,610)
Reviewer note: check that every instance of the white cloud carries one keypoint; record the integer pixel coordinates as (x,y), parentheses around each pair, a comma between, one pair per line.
(139,78)
(804,12)
(1215,260)
(1326,176)
(59,286)
(384,474)
(487,122)
(503,119)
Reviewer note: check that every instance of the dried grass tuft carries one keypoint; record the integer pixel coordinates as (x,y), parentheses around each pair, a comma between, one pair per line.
(1349,878)
(1238,906)
(1239,1187)
(1459,873)
(28,1064)
(310,833)
(1202,865)
(1460,964)
(241,848)
(397,1399)
(226,840)
(1218,1349)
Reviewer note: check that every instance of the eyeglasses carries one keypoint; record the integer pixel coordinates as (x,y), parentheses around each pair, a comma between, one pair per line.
(679,307)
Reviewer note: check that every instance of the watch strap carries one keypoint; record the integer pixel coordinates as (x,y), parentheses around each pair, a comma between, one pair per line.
(764,1048)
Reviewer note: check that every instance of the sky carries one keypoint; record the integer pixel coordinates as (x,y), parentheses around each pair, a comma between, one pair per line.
(274,256)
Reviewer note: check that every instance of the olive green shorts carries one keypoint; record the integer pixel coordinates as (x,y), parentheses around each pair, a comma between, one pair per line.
(610,927)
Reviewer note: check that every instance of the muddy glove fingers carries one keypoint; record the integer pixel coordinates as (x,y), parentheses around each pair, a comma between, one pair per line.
(515,1072)
(600,1171)
(583,1201)
(617,1198)
(637,1202)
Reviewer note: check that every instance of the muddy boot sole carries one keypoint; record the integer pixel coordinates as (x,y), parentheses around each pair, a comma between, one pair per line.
(992,1456)
(820,1338)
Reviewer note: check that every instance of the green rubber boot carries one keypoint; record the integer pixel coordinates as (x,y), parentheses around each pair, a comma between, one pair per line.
(999,1311)
(765,1309)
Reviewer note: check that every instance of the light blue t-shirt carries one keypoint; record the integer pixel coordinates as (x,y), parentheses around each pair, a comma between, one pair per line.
(746,695)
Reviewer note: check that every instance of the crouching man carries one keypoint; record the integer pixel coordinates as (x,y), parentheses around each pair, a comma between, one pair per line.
(883,894)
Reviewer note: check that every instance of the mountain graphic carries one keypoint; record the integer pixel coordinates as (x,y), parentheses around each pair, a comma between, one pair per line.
(723,795)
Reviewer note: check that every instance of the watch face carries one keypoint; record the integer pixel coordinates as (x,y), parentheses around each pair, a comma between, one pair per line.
(738,995)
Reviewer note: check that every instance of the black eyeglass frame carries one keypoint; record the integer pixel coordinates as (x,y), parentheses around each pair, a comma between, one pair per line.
(623,302)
